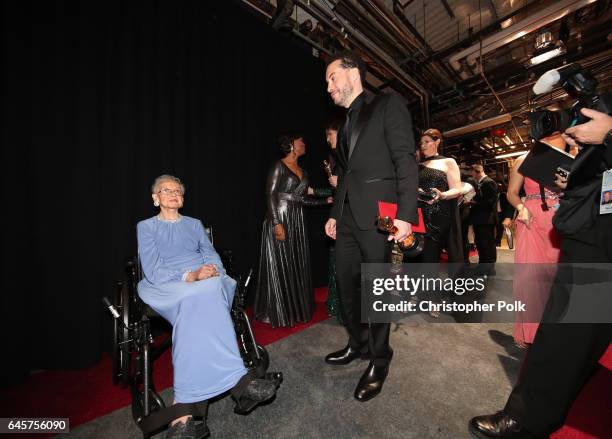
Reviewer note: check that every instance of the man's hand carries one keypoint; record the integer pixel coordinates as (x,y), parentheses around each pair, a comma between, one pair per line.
(333,181)
(403,230)
(279,232)
(594,131)
(507,222)
(560,181)
(570,141)
(207,271)
(330,228)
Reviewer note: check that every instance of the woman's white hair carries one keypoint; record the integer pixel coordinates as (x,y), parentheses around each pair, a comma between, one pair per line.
(166,177)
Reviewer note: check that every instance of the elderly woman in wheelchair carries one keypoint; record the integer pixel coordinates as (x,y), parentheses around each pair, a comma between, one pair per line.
(185,282)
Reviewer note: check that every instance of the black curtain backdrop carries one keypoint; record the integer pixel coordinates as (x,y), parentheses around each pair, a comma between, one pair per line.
(99,99)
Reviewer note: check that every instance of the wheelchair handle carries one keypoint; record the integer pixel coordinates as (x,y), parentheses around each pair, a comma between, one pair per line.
(110,307)
(248,279)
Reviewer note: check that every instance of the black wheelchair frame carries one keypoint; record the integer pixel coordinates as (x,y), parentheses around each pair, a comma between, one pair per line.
(134,351)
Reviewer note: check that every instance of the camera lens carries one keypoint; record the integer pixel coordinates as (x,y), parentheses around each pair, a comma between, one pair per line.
(546,122)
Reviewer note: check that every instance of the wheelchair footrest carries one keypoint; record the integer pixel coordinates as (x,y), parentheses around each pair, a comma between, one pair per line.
(202,430)
(162,418)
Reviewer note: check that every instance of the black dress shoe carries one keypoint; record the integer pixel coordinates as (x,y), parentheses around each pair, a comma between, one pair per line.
(499,425)
(371,382)
(345,356)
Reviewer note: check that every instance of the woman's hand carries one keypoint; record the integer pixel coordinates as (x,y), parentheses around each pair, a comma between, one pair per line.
(310,191)
(438,195)
(207,271)
(279,232)
(192,276)
(560,181)
(330,200)
(333,181)
(524,216)
(507,222)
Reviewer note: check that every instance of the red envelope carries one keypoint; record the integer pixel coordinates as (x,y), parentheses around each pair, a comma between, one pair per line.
(390,210)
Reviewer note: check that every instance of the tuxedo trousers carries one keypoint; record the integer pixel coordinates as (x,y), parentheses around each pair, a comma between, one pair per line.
(563,355)
(484,238)
(354,247)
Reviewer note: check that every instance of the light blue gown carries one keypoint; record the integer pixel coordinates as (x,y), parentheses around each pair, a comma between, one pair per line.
(204,347)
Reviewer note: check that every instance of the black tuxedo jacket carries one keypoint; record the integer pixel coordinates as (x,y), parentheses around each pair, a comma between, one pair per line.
(382,165)
(484,205)
(507,209)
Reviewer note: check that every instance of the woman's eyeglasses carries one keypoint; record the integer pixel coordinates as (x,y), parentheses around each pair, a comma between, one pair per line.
(169,192)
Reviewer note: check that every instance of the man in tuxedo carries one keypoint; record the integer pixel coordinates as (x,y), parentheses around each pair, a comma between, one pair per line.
(376,162)
(483,217)
(564,355)
(464,210)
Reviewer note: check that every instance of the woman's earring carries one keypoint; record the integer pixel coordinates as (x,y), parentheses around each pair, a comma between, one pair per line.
(156,203)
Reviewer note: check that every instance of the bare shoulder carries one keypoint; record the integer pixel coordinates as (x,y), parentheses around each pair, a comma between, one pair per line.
(520,159)
(451,163)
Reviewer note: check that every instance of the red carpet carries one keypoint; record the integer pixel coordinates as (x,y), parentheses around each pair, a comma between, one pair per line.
(83,395)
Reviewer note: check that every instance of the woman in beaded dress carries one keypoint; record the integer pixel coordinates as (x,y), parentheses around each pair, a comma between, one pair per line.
(537,246)
(440,176)
(284,294)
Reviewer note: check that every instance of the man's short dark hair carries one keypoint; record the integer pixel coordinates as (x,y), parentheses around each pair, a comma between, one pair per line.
(350,60)
(334,125)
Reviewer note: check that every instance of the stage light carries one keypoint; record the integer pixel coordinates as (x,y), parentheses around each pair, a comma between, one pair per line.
(509,154)
(539,59)
(546,49)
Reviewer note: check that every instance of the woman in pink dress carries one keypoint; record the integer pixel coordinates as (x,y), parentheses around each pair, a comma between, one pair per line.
(537,246)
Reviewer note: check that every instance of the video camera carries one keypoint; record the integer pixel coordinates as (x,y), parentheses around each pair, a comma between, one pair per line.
(580,85)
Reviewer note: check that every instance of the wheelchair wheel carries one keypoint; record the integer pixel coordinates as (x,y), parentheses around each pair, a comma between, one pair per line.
(155,403)
(121,354)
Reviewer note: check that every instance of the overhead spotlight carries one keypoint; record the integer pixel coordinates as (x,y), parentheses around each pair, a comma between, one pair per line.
(484,142)
(284,9)
(509,154)
(546,49)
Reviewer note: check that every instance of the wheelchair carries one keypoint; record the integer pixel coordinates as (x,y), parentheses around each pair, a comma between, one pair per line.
(135,350)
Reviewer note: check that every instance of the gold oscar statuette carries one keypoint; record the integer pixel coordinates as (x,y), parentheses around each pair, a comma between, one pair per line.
(412,245)
(327,167)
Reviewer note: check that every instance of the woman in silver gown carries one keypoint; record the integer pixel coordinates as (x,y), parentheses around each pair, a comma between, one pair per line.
(284,294)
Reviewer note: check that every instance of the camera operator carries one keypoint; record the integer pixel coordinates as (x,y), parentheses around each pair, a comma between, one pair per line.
(563,356)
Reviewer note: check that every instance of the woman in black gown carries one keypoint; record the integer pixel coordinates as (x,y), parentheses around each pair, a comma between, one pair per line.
(440,177)
(284,294)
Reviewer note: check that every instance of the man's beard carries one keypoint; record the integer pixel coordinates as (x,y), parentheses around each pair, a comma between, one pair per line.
(345,94)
